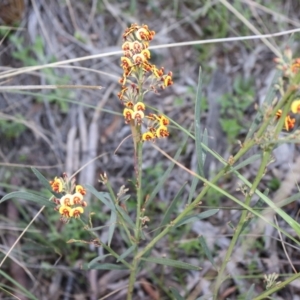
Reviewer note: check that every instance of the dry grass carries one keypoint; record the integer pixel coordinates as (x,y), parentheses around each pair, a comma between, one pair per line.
(61,97)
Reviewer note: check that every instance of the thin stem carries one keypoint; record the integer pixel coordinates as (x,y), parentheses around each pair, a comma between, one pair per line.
(139,192)
(243,218)
(277,287)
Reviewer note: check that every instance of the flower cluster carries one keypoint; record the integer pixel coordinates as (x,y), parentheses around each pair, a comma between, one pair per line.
(289,65)
(291,68)
(71,204)
(139,77)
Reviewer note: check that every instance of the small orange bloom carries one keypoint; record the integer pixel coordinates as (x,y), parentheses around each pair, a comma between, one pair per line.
(56,185)
(148,136)
(77,211)
(67,200)
(80,189)
(77,198)
(162,131)
(278,113)
(127,113)
(289,123)
(140,106)
(126,62)
(66,211)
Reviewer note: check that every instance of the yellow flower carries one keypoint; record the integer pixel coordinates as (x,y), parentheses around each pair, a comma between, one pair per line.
(80,189)
(56,185)
(146,53)
(67,200)
(66,211)
(128,114)
(140,106)
(295,107)
(289,123)
(164,121)
(125,62)
(77,198)
(162,131)
(77,211)
(148,136)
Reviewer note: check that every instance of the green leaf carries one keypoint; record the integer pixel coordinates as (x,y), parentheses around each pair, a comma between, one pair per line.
(104,267)
(96,259)
(171,208)
(103,197)
(125,217)
(176,293)
(112,226)
(171,263)
(250,293)
(127,252)
(30,197)
(194,218)
(198,133)
(207,251)
(246,162)
(19,286)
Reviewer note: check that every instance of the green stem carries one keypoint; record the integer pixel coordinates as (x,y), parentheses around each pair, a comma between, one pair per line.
(243,218)
(277,287)
(286,101)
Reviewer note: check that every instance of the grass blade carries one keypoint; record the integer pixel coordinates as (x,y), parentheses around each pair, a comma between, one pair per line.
(194,218)
(198,133)
(171,263)
(30,197)
(207,251)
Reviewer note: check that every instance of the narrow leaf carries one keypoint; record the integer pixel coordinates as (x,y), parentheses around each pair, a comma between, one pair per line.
(194,218)
(127,252)
(171,208)
(30,197)
(176,293)
(249,295)
(112,226)
(104,267)
(206,250)
(192,189)
(101,196)
(96,259)
(198,133)
(125,217)
(246,162)
(171,263)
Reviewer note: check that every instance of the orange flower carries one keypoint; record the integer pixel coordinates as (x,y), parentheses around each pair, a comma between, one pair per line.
(77,198)
(56,185)
(67,200)
(289,123)
(77,211)
(80,189)
(278,113)
(126,62)
(148,136)
(66,211)
(139,106)
(127,113)
(162,131)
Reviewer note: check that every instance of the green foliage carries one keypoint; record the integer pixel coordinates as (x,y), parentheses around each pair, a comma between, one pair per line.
(10,129)
(33,55)
(233,107)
